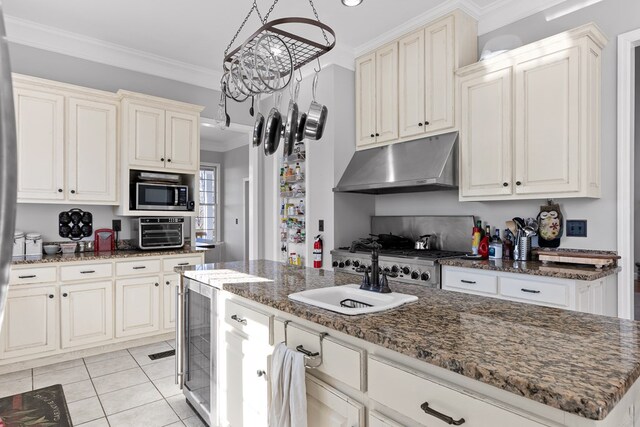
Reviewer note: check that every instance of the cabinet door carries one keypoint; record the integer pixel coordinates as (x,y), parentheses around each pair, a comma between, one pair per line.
(486,134)
(146,136)
(137,306)
(326,407)
(378,420)
(439,69)
(171,282)
(246,389)
(40,131)
(91,153)
(583,300)
(86,313)
(412,84)
(547,124)
(366,100)
(182,141)
(29,322)
(387,93)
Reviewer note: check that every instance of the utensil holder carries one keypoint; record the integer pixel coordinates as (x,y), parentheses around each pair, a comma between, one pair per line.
(524,249)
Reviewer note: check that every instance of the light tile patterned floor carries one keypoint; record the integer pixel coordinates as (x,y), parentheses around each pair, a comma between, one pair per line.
(120,389)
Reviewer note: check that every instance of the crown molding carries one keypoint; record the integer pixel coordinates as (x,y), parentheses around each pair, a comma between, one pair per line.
(29,33)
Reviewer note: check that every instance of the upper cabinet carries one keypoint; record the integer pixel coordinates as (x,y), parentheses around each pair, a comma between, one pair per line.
(67,143)
(530,120)
(405,89)
(160,134)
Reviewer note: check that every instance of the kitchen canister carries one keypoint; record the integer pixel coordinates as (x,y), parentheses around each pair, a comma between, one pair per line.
(523,252)
(33,244)
(18,243)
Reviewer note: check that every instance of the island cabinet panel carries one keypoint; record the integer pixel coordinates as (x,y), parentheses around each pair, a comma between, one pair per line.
(169,300)
(30,321)
(86,313)
(327,407)
(429,402)
(137,306)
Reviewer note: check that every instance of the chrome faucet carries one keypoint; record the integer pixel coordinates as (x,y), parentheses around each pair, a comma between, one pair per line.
(378,281)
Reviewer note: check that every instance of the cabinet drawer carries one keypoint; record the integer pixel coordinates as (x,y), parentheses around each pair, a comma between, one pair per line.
(168,264)
(141,266)
(389,385)
(339,360)
(255,324)
(33,275)
(556,294)
(85,271)
(470,280)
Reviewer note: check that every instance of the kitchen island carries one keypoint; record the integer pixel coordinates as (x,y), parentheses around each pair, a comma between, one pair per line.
(577,366)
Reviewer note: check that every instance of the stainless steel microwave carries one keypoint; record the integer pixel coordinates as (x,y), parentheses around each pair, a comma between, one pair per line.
(160,197)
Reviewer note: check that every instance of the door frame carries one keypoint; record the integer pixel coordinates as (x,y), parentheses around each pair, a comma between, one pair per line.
(627,44)
(246,213)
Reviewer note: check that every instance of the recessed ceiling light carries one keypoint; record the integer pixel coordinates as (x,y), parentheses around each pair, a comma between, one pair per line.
(351,3)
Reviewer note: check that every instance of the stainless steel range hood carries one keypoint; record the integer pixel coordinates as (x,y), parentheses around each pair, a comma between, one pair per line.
(427,164)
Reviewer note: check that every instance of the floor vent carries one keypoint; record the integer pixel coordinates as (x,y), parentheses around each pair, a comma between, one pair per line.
(162,355)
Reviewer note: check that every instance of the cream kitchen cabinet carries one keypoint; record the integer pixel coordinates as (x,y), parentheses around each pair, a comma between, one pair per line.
(326,406)
(530,120)
(596,296)
(137,306)
(69,135)
(30,321)
(171,282)
(405,90)
(86,313)
(160,134)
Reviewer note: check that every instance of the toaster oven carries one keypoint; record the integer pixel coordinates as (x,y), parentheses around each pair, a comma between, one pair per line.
(159,233)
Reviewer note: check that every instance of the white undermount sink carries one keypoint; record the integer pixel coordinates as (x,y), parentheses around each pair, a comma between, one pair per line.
(341,299)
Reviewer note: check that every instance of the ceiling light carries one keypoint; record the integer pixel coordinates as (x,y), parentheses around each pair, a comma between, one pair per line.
(351,3)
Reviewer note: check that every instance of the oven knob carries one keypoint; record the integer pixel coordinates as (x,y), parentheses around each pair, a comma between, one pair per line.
(356,264)
(335,263)
(415,275)
(347,262)
(341,265)
(395,269)
(406,270)
(425,277)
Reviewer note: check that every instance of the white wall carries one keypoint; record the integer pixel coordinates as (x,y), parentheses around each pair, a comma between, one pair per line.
(236,168)
(637,160)
(613,17)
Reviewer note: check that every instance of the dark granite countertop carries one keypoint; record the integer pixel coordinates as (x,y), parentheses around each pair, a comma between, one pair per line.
(100,256)
(535,268)
(579,363)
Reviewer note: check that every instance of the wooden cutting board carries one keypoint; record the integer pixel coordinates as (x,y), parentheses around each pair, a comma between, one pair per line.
(588,258)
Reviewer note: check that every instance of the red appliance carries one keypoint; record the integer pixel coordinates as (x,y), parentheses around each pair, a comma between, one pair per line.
(317,252)
(104,240)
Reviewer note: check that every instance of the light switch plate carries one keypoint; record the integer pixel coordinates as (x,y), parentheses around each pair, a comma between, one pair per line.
(576,228)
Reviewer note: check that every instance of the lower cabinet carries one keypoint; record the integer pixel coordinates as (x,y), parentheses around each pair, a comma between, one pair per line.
(379,420)
(171,282)
(327,407)
(137,306)
(86,313)
(30,321)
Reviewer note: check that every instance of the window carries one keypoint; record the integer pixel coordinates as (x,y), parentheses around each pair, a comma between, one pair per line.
(207,219)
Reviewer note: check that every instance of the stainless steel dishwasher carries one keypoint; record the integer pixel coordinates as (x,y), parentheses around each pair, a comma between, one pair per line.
(196,346)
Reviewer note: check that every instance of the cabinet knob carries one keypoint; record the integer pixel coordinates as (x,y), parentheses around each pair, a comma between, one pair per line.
(261,373)
(169,160)
(168,283)
(51,296)
(426,123)
(65,295)
(59,190)
(377,134)
(420,124)
(162,159)
(373,136)
(518,183)
(505,184)
(73,191)
(157,284)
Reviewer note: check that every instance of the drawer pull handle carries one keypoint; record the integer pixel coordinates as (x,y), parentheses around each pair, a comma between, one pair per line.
(306,352)
(530,291)
(439,415)
(30,276)
(139,267)
(183,263)
(88,272)
(239,319)
(470,282)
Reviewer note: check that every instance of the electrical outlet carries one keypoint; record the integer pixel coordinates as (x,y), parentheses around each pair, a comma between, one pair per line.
(116,224)
(576,228)
(321,225)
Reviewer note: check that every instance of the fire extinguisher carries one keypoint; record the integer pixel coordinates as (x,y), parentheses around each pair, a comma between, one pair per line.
(317,252)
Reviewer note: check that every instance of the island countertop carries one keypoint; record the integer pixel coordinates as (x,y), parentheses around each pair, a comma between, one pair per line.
(534,268)
(579,363)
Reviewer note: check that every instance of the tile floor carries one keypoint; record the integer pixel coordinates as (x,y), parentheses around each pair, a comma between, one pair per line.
(120,389)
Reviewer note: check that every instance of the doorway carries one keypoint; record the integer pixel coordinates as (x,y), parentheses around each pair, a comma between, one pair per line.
(246,190)
(636,185)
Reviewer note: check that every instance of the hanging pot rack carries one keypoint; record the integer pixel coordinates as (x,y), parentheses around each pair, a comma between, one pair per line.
(266,61)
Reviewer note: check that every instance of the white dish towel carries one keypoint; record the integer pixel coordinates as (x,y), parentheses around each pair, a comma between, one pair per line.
(288,391)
